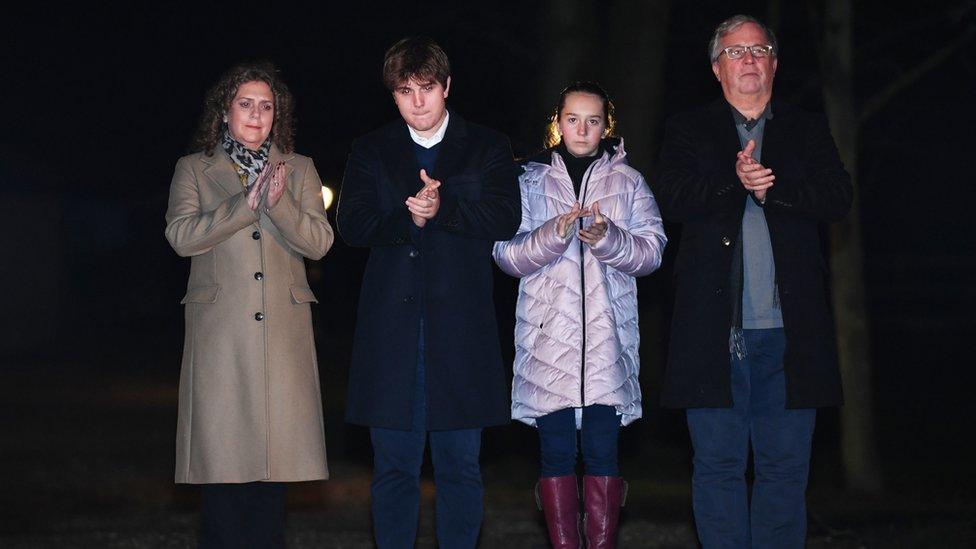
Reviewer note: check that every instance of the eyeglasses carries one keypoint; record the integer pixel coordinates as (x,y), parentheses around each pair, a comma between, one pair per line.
(758,51)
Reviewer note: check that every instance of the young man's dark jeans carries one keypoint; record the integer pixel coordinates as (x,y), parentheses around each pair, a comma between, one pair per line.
(781,440)
(397,458)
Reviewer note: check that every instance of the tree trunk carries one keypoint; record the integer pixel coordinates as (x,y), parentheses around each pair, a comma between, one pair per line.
(858,451)
(569,39)
(638,40)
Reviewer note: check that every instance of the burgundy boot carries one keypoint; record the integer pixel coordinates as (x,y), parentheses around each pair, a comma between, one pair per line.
(602,499)
(558,497)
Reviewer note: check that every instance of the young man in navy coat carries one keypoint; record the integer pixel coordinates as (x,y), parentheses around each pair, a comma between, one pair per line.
(429,195)
(752,351)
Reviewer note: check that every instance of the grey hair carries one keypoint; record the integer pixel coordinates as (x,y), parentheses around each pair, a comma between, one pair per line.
(731,25)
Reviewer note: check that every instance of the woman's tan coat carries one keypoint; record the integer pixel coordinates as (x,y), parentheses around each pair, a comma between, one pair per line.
(250,407)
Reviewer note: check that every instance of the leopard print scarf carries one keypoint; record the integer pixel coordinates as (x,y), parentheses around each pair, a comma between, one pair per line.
(249,163)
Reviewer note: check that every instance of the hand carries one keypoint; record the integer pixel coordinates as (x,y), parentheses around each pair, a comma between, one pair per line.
(595,232)
(425,204)
(255,194)
(568,220)
(755,177)
(277,184)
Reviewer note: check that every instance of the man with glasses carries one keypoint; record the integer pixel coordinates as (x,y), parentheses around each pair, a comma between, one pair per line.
(752,351)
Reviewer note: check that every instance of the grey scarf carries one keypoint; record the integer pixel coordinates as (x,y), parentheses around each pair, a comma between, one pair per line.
(249,163)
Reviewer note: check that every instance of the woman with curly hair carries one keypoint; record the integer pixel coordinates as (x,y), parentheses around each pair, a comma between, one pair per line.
(590,225)
(247,210)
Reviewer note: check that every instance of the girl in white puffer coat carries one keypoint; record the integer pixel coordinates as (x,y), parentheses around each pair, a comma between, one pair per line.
(590,225)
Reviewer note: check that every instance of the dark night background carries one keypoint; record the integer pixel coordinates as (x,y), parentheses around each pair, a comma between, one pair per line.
(99,103)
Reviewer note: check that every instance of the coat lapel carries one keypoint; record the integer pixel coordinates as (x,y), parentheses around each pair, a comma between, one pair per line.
(727,145)
(221,172)
(728,138)
(775,141)
(451,156)
(275,156)
(401,163)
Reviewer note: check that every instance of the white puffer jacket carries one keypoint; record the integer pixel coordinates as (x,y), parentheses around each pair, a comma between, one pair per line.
(550,331)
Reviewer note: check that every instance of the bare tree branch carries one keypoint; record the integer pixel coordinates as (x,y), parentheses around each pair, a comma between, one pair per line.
(880,99)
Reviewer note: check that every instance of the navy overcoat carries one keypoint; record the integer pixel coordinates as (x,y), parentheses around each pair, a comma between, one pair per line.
(443,271)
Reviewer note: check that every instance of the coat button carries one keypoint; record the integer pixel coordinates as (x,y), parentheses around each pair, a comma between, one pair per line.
(719,291)
(256,235)
(259,316)
(726,241)
(258,275)
(413,253)
(409,299)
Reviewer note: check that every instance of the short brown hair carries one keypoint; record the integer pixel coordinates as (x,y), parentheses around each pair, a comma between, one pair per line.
(416,57)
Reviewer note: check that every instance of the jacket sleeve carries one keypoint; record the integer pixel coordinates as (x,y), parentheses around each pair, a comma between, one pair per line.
(636,250)
(683,188)
(530,249)
(360,219)
(824,191)
(302,221)
(192,231)
(496,215)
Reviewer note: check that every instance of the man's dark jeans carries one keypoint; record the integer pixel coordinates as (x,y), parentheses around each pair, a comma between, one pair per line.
(397,458)
(781,440)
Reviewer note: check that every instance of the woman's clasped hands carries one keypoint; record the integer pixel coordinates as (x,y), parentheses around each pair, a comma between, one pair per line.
(268,187)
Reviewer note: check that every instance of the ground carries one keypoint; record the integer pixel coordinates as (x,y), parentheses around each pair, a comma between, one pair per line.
(88,462)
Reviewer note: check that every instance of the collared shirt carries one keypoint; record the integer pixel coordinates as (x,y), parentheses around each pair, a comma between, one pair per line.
(760,294)
(752,128)
(428,142)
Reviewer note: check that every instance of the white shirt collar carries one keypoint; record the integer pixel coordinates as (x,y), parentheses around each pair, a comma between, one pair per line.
(428,142)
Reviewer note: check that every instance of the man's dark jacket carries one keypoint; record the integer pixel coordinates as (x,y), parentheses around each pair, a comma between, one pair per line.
(443,271)
(697,186)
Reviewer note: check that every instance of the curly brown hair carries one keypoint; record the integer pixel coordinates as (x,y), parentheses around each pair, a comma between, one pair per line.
(218,99)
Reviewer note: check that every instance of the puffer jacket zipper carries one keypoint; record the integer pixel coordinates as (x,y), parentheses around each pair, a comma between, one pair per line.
(582,198)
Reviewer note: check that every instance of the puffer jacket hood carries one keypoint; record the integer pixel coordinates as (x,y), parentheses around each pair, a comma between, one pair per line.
(563,360)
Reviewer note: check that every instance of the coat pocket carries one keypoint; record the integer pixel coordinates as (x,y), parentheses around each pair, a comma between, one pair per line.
(201,294)
(302,294)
